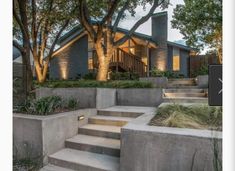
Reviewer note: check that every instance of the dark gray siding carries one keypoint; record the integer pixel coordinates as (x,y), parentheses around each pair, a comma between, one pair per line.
(184,55)
(170,58)
(71,62)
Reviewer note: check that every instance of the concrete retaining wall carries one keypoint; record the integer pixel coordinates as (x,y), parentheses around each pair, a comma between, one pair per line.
(139,97)
(154,148)
(202,81)
(105,97)
(45,135)
(160,82)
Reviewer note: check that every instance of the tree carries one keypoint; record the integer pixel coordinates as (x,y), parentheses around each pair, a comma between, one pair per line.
(200,22)
(38,24)
(108,14)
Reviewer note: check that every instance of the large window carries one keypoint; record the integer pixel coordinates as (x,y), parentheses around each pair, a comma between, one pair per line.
(176,59)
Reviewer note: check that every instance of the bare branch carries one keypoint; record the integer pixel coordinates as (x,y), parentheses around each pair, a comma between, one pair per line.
(56,39)
(137,24)
(120,14)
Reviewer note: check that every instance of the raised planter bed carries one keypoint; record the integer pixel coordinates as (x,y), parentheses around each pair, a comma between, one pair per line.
(152,148)
(106,97)
(44,135)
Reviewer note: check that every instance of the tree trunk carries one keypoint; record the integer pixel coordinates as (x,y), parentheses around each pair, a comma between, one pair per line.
(104,61)
(41,72)
(220,55)
(27,70)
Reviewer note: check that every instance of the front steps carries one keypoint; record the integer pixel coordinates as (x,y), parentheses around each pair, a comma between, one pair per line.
(96,147)
(84,161)
(184,91)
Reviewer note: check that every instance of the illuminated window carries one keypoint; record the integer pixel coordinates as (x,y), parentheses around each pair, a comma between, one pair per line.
(176,60)
(176,63)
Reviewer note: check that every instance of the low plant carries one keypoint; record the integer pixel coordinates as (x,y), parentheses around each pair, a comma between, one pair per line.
(28,162)
(124,76)
(192,116)
(203,70)
(46,105)
(169,74)
(72,103)
(90,76)
(99,84)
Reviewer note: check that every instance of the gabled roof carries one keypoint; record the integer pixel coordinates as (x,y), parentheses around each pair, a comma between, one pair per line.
(180,46)
(16,53)
(78,30)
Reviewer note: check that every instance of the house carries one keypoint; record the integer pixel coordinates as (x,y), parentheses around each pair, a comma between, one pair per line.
(18,66)
(140,54)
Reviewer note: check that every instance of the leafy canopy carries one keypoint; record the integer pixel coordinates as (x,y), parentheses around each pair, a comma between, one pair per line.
(200,22)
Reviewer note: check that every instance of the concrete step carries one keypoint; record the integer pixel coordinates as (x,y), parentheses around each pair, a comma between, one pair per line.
(51,167)
(109,120)
(172,95)
(182,87)
(185,100)
(105,112)
(84,161)
(172,90)
(94,144)
(106,131)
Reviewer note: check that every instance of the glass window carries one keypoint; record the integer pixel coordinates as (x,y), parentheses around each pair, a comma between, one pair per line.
(176,59)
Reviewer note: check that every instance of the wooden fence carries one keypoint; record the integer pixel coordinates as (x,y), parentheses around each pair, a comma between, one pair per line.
(197,61)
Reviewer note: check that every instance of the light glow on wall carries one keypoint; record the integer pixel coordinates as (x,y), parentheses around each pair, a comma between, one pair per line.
(63,70)
(161,65)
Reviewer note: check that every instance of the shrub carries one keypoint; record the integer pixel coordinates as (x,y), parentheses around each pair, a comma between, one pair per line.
(100,84)
(46,105)
(72,103)
(203,70)
(124,76)
(90,76)
(169,74)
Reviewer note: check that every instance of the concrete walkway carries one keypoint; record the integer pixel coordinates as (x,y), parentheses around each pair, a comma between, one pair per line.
(97,145)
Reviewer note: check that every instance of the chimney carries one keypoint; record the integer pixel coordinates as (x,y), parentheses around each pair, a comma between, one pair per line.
(159,35)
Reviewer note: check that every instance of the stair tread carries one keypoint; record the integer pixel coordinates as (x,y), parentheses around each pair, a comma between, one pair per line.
(115,118)
(51,167)
(84,158)
(95,141)
(106,128)
(185,98)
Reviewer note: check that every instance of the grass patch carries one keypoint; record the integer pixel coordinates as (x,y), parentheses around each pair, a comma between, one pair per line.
(192,116)
(93,83)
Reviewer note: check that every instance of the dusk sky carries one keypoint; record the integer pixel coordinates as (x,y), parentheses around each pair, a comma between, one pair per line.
(173,34)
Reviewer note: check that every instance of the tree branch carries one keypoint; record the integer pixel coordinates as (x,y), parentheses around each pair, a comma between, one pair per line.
(18,20)
(56,38)
(111,11)
(84,19)
(18,46)
(137,24)
(120,14)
